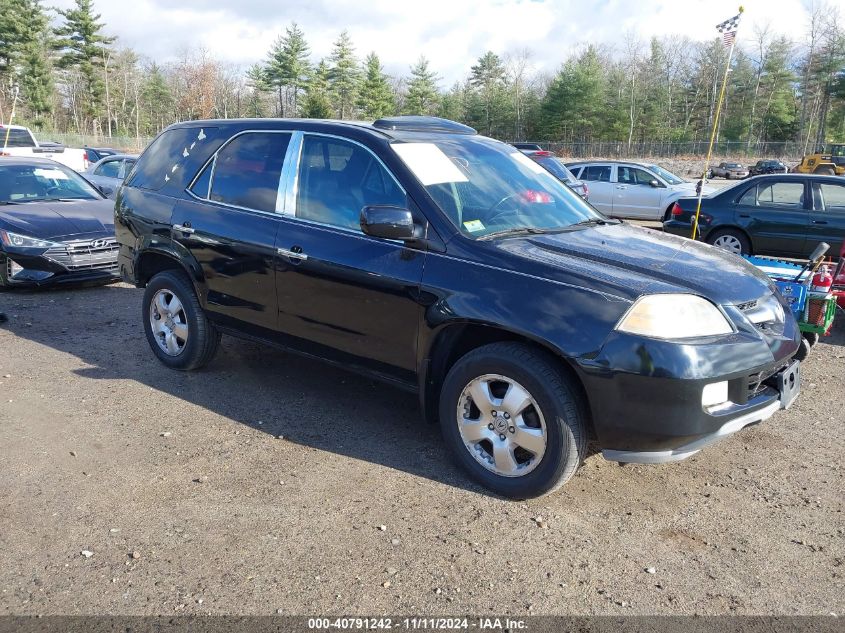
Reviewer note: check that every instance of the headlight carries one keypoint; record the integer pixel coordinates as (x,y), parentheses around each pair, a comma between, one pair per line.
(674,316)
(24,241)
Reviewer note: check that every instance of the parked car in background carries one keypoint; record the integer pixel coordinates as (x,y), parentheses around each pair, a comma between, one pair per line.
(557,169)
(96,154)
(767,167)
(642,191)
(55,227)
(528,146)
(16,140)
(784,215)
(417,252)
(109,172)
(728,171)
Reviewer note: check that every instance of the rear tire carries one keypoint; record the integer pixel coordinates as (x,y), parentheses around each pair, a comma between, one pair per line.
(177,329)
(512,420)
(730,240)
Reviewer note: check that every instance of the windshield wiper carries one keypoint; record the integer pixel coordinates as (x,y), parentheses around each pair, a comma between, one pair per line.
(595,222)
(9,202)
(519,230)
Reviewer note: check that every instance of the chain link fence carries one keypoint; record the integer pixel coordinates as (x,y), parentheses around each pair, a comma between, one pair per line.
(783,150)
(128,144)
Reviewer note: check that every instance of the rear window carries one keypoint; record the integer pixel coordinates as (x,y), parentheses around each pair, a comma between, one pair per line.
(17,138)
(167,157)
(556,168)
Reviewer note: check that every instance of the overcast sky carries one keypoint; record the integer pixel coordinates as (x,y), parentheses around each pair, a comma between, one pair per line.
(450,33)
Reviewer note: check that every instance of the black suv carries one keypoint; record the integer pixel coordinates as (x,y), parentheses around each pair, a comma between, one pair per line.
(416,251)
(767,167)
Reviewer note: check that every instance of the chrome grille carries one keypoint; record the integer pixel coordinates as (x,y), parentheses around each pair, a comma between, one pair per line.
(75,255)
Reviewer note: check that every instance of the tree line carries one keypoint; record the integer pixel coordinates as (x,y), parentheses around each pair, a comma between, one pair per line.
(70,75)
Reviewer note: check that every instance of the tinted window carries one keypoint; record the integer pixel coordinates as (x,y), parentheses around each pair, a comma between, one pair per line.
(164,160)
(596,173)
(749,197)
(337,179)
(200,188)
(17,138)
(247,171)
(833,197)
(109,169)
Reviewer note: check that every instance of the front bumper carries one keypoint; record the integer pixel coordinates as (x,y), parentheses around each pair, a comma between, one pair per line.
(72,261)
(646,395)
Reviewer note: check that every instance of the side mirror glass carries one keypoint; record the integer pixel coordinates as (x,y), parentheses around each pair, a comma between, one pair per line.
(105,190)
(392,223)
(654,183)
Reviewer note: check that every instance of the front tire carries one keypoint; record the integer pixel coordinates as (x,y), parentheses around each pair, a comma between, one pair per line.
(803,350)
(177,329)
(512,420)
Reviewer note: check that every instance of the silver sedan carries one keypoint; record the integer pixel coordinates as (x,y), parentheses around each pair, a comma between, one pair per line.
(108,173)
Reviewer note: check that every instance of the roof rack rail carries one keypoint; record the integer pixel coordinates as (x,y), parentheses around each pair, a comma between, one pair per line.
(422,124)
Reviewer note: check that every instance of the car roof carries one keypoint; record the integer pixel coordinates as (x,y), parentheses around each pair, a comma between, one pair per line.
(835,179)
(26,160)
(608,162)
(399,127)
(4,126)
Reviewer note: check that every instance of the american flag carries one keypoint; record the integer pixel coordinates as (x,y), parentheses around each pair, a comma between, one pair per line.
(728,29)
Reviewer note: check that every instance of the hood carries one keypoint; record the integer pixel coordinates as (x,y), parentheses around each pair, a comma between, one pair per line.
(629,261)
(50,220)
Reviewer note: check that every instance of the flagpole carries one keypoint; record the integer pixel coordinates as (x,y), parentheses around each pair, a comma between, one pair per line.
(713,132)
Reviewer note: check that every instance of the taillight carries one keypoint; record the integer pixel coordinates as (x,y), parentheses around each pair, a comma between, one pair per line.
(586,190)
(85,160)
(540,197)
(676,210)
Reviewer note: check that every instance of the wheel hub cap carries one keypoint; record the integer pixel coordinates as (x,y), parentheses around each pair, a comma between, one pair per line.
(501,425)
(168,322)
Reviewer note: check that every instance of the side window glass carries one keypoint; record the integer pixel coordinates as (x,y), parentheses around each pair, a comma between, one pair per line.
(200,188)
(833,197)
(749,197)
(642,177)
(782,194)
(248,170)
(109,169)
(596,173)
(337,179)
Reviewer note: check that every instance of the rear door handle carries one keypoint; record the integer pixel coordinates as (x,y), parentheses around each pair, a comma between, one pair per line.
(621,187)
(819,221)
(184,228)
(744,215)
(294,253)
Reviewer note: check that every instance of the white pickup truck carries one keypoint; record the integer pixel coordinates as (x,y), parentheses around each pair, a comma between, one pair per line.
(16,140)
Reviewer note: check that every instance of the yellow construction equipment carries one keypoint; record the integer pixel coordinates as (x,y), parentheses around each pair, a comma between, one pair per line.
(829,161)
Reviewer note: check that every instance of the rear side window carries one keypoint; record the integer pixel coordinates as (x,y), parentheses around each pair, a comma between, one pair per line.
(247,171)
(17,138)
(165,160)
(109,169)
(786,195)
(337,179)
(833,197)
(596,173)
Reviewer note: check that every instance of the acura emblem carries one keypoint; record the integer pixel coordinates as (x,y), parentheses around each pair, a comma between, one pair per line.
(99,243)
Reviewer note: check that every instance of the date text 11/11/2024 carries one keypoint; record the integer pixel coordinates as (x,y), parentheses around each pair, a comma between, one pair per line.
(418,624)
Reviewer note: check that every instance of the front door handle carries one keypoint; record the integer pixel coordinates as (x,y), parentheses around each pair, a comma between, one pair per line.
(621,187)
(294,253)
(819,221)
(184,228)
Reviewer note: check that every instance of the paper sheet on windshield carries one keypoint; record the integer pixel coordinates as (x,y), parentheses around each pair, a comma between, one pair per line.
(429,164)
(54,174)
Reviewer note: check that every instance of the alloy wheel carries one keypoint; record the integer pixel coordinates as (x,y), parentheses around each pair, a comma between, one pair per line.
(169,322)
(501,425)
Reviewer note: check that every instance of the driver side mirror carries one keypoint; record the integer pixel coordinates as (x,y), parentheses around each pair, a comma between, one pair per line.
(654,183)
(105,190)
(391,223)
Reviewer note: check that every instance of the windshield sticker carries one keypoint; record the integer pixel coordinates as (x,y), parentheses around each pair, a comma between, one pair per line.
(473,226)
(53,174)
(527,162)
(429,164)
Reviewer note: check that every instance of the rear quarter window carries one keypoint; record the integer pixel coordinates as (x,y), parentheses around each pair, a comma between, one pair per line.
(173,159)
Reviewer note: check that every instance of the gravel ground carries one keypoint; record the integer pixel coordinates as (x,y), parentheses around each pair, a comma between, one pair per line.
(267,483)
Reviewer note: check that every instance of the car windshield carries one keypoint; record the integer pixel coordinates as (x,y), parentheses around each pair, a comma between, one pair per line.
(556,168)
(486,187)
(732,165)
(668,176)
(32,183)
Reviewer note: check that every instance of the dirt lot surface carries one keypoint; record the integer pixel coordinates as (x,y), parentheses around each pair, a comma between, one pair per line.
(267,483)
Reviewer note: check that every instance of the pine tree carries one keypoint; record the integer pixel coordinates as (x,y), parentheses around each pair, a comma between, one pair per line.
(82,46)
(375,98)
(423,97)
(288,68)
(343,76)
(487,75)
(158,99)
(317,104)
(259,83)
